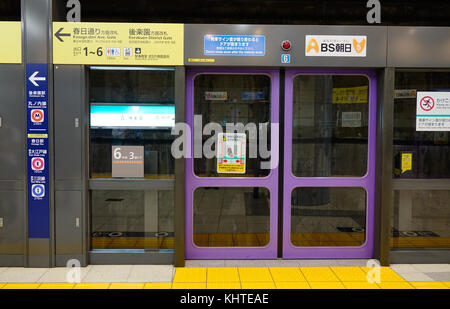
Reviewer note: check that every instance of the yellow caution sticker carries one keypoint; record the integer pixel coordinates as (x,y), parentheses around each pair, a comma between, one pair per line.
(118,43)
(11,47)
(406,162)
(231,153)
(201,60)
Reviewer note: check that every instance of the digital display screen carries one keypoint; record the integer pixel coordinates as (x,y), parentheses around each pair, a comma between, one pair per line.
(110,116)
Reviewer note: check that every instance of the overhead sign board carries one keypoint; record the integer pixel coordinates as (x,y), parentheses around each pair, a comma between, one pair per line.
(118,43)
(336,45)
(433,111)
(11,47)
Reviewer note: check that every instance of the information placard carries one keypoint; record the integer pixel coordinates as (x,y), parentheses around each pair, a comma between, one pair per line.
(118,43)
(234,45)
(231,153)
(433,111)
(351,95)
(37,150)
(127,161)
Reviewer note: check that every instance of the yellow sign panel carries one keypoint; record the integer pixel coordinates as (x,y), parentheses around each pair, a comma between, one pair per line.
(11,47)
(118,43)
(350,95)
(37,135)
(406,162)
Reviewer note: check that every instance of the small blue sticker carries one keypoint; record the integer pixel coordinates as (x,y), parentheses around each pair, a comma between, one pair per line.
(285,58)
(252,95)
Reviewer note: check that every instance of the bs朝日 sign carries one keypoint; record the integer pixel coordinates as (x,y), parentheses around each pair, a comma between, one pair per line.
(11,47)
(118,43)
(336,45)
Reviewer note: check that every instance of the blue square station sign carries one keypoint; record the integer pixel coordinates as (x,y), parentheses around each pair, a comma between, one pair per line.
(37,150)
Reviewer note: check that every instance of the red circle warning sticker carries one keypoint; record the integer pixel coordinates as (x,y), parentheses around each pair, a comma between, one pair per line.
(427,103)
(37,115)
(37,164)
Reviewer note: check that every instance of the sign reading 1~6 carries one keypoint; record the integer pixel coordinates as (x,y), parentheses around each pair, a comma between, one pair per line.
(118,43)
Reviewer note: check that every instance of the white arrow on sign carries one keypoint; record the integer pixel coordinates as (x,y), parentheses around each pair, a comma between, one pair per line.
(33,78)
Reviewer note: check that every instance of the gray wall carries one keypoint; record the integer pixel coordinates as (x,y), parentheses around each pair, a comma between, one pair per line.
(418,47)
(70,154)
(12,165)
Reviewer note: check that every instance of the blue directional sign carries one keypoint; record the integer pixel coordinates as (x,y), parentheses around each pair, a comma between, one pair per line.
(234,45)
(37,151)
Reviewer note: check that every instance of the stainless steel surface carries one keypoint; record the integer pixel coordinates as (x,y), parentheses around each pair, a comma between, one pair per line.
(119,184)
(418,47)
(421,184)
(12,165)
(12,133)
(36,25)
(68,105)
(12,210)
(36,16)
(68,237)
(70,176)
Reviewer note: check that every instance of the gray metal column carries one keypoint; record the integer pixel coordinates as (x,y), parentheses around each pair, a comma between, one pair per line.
(71,174)
(179,213)
(12,166)
(384,194)
(36,19)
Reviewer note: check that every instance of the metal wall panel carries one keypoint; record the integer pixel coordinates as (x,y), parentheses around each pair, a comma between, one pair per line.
(12,165)
(12,214)
(36,23)
(35,14)
(69,222)
(418,47)
(275,34)
(70,182)
(68,125)
(12,129)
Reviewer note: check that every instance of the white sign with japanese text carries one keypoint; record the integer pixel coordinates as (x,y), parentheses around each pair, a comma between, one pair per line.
(433,111)
(336,45)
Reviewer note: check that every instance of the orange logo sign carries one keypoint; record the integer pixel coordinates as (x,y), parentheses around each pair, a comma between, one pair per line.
(312,45)
(359,46)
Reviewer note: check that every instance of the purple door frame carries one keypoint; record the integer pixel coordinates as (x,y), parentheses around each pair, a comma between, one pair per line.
(290,181)
(192,181)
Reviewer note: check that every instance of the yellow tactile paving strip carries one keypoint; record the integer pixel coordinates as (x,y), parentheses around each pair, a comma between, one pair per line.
(258,278)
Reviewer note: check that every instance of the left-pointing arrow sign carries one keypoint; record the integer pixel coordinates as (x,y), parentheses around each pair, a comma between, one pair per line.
(58,34)
(33,78)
